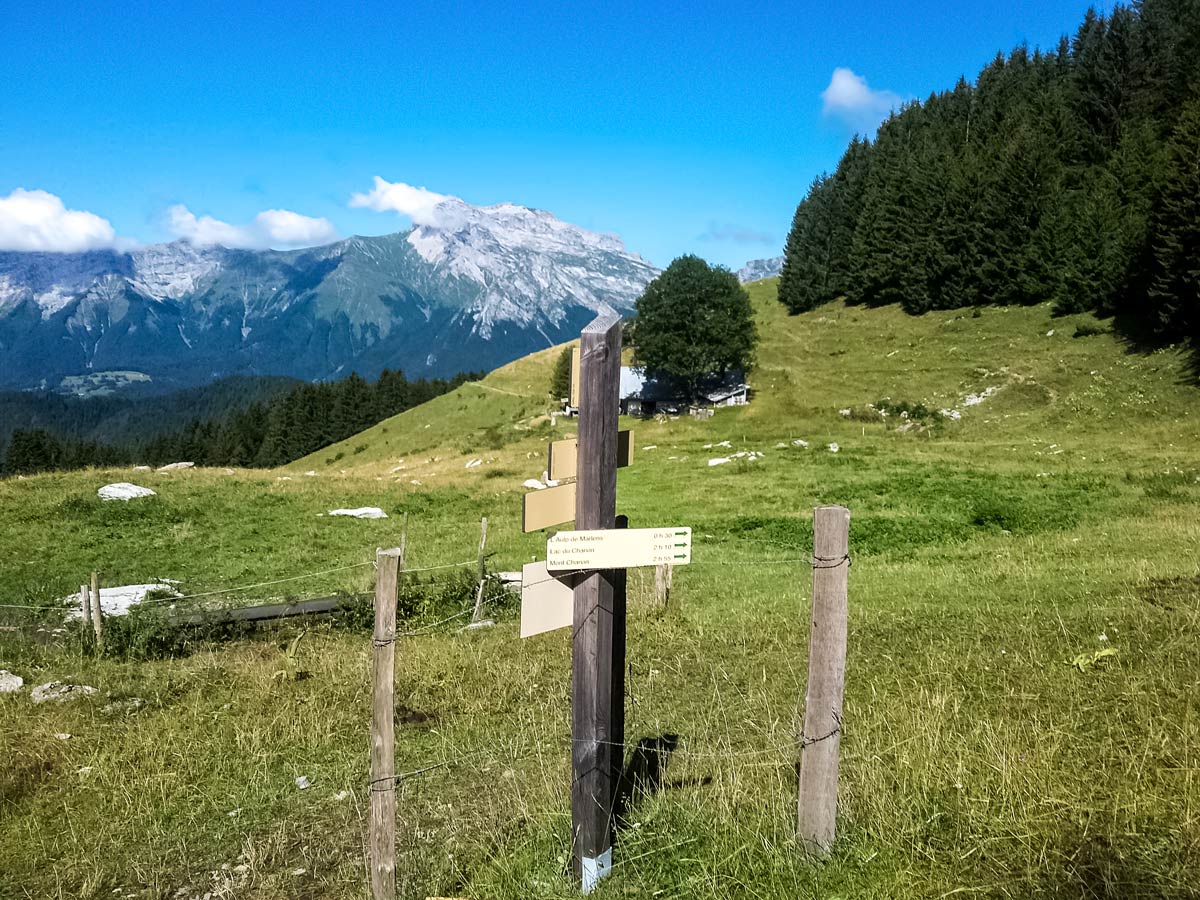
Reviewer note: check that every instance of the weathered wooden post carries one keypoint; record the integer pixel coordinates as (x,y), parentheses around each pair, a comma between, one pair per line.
(662,585)
(97,612)
(820,741)
(382,829)
(477,614)
(85,607)
(593,742)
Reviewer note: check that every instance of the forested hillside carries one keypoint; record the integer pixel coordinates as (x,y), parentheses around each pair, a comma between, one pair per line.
(1069,176)
(238,422)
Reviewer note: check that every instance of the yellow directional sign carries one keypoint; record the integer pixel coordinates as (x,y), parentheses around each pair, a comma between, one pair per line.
(553,506)
(618,548)
(564,455)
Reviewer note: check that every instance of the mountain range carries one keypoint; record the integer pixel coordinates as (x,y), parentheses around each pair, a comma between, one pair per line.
(757,269)
(478,288)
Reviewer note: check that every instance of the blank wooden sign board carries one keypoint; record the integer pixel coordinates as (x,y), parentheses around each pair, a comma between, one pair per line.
(564,455)
(547,603)
(547,508)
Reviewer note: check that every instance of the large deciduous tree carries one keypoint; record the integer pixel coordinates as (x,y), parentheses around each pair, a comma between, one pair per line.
(694,321)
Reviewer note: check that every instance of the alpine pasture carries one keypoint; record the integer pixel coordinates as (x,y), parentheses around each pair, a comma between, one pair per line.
(989,749)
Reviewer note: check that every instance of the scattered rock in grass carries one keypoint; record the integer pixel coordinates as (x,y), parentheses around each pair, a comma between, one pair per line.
(834,448)
(129,705)
(117,601)
(650,447)
(123,490)
(798,442)
(474,463)
(62,736)
(415,482)
(780,445)
(341,795)
(311,474)
(843,412)
(303,783)
(951,414)
(141,468)
(59,692)
(284,478)
(362,512)
(976,399)
(719,461)
(10,683)
(175,466)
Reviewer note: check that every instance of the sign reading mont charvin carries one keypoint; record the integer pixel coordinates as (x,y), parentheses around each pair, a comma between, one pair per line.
(618,548)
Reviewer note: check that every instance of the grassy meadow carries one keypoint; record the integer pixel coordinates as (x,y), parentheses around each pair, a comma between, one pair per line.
(1058,516)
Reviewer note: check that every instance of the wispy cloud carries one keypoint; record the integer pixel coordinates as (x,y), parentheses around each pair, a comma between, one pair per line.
(277,229)
(418,203)
(851,101)
(737,234)
(39,220)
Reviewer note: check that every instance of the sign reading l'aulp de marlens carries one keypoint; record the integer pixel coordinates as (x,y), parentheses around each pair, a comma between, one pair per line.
(618,548)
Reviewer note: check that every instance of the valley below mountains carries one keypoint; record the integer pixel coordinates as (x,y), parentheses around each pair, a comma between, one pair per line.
(480,288)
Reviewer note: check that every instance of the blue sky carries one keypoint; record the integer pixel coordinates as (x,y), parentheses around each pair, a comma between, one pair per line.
(683,128)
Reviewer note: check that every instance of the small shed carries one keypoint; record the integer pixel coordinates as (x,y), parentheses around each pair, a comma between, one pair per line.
(649,394)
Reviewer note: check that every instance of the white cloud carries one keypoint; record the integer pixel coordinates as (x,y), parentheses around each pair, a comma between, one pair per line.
(38,220)
(852,101)
(277,229)
(418,203)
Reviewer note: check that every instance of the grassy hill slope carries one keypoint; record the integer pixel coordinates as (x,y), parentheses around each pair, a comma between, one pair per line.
(1055,517)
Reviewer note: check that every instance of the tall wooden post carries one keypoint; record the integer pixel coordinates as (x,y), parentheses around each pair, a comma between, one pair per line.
(85,607)
(97,612)
(382,836)
(592,678)
(477,614)
(820,741)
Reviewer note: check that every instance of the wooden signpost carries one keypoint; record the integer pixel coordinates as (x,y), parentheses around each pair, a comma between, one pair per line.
(593,743)
(582,584)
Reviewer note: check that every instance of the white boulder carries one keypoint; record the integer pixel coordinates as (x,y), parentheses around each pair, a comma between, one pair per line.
(59,692)
(123,490)
(10,683)
(362,512)
(176,466)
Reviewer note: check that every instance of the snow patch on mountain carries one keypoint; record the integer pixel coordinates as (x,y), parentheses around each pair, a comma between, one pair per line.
(53,300)
(172,271)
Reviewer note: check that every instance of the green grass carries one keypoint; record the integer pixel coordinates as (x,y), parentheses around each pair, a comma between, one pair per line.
(976,761)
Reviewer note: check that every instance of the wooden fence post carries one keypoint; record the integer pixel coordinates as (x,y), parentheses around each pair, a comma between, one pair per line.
(85,606)
(477,615)
(662,584)
(97,612)
(592,679)
(820,741)
(382,836)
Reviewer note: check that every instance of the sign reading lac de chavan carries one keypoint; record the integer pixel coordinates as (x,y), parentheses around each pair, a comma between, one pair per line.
(618,548)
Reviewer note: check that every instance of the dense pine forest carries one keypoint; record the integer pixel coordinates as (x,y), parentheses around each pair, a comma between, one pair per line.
(1070,176)
(277,427)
